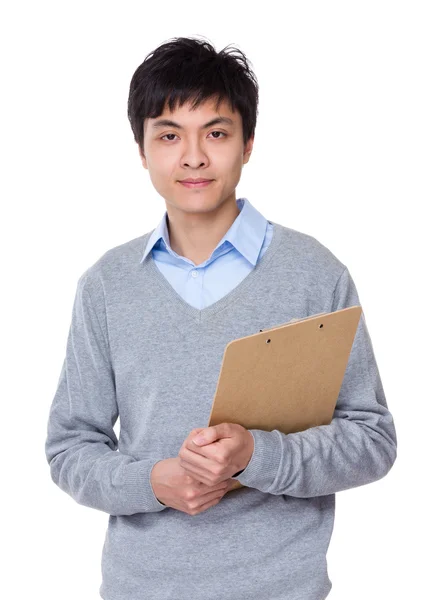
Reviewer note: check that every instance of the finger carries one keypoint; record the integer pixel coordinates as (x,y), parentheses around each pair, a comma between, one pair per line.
(203,463)
(197,474)
(204,451)
(195,432)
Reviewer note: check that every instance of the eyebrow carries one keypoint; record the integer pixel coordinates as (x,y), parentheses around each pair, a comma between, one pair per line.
(216,121)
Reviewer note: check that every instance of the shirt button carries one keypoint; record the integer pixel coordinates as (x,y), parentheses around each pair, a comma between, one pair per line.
(194,273)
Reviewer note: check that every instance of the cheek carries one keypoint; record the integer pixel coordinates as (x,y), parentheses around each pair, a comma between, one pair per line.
(232,171)
(159,156)
(162,168)
(229,161)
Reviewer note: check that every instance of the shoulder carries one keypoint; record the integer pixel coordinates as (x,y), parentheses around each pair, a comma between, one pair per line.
(113,264)
(306,253)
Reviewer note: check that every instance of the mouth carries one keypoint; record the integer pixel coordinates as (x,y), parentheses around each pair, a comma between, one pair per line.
(197,184)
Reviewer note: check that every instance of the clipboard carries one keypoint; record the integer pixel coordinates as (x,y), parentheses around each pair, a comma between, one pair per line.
(287,377)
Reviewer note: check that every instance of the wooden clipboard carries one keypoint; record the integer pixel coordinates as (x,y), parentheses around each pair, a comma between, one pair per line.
(287,377)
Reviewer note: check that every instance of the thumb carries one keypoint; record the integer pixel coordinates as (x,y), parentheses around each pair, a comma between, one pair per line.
(206,436)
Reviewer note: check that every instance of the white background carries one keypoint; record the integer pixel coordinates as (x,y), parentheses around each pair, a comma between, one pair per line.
(340,153)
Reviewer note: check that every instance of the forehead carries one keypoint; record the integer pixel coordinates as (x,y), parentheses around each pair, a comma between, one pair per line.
(188,117)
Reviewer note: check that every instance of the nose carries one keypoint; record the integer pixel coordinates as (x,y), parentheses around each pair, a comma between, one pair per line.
(194,156)
(194,165)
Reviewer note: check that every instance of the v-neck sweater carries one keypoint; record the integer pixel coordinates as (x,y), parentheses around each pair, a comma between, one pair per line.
(136,350)
(234,256)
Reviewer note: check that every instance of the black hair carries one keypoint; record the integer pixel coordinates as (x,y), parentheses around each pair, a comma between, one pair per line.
(188,69)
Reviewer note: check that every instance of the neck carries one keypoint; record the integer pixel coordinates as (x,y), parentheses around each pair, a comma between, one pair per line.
(195,236)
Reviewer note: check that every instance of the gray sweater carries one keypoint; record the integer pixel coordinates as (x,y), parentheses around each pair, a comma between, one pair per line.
(136,349)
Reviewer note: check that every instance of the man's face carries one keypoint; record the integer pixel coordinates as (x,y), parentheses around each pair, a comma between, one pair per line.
(191,149)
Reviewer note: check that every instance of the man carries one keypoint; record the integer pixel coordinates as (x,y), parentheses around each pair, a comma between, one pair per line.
(151,319)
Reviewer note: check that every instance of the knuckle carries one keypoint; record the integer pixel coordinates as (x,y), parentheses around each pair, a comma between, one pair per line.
(218,470)
(188,479)
(221,459)
(190,495)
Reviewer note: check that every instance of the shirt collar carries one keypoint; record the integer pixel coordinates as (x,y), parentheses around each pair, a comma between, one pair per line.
(246,233)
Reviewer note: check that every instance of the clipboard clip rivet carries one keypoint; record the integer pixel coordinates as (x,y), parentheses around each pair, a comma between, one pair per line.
(268,341)
(320,326)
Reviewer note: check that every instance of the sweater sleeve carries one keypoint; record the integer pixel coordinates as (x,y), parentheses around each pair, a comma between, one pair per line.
(359,446)
(81,445)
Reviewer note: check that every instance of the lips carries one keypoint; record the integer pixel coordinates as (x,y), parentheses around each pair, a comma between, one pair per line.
(198,184)
(198,180)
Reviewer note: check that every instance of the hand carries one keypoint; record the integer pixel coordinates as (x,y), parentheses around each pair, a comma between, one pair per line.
(175,488)
(227,448)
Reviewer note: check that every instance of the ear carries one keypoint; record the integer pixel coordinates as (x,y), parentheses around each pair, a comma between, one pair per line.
(143,158)
(247,150)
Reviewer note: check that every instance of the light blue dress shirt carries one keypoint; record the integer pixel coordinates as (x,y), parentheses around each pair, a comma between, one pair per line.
(236,254)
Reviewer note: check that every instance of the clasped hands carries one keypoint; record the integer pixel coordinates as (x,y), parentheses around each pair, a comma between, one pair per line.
(222,451)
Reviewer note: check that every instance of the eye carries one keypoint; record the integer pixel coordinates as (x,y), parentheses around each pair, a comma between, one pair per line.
(219,132)
(166,135)
(216,138)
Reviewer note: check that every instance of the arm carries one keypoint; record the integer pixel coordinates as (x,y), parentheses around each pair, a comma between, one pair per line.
(358,447)
(81,443)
